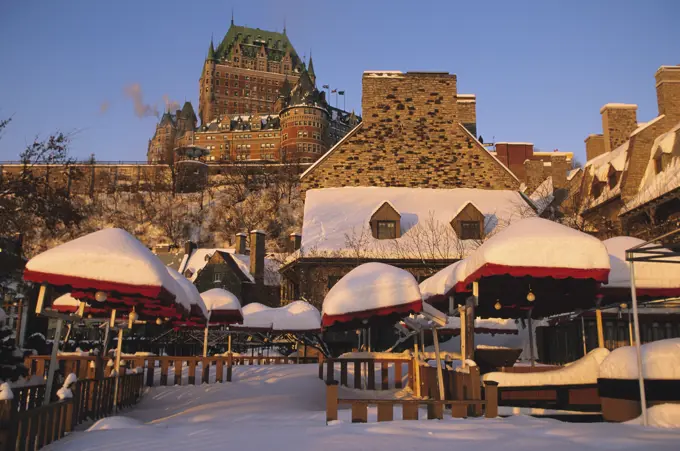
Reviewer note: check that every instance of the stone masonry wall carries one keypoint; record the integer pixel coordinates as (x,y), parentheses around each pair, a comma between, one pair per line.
(618,122)
(410,136)
(639,152)
(668,92)
(594,146)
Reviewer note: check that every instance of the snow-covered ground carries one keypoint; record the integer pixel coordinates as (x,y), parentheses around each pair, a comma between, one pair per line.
(282,407)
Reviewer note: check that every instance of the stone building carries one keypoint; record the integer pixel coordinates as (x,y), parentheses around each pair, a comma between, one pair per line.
(631,179)
(417,131)
(252,86)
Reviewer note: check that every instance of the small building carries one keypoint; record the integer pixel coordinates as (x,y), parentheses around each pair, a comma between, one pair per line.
(418,229)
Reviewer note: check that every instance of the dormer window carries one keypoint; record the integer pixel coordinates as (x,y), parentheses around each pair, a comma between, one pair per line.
(386,222)
(612,178)
(469,223)
(596,190)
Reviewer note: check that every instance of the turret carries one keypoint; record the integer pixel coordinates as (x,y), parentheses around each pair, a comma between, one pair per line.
(310,70)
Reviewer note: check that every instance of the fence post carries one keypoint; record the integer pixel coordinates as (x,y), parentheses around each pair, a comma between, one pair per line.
(475,390)
(230,363)
(321,366)
(491,398)
(331,401)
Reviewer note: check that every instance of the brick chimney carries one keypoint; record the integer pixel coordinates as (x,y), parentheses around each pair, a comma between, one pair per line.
(619,120)
(295,241)
(594,146)
(257,254)
(241,243)
(668,92)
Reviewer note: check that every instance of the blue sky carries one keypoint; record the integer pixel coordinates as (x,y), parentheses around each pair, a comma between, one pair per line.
(541,70)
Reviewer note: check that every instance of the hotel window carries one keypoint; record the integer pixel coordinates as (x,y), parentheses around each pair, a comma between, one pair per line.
(387,230)
(470,230)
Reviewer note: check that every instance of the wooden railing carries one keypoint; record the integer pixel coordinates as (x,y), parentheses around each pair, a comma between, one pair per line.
(170,369)
(367,368)
(25,424)
(580,398)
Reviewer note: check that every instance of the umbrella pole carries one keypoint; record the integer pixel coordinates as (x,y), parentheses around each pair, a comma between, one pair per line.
(205,341)
(630,329)
(583,335)
(440,376)
(463,335)
(600,331)
(638,351)
(531,338)
(416,366)
(53,362)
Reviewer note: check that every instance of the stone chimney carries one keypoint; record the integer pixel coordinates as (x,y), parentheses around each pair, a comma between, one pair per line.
(619,120)
(295,241)
(257,254)
(189,247)
(594,146)
(467,112)
(241,243)
(668,92)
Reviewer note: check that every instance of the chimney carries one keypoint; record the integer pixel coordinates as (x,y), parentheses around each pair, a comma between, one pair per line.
(668,92)
(467,112)
(257,254)
(619,120)
(295,241)
(594,146)
(189,247)
(241,243)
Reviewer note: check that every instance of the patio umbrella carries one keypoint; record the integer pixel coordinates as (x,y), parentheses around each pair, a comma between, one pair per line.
(444,285)
(223,309)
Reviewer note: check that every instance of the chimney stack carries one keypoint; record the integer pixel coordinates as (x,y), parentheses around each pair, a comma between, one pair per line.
(257,254)
(241,243)
(668,92)
(295,241)
(189,247)
(619,120)
(594,146)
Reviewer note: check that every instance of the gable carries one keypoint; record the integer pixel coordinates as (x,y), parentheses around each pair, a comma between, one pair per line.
(468,213)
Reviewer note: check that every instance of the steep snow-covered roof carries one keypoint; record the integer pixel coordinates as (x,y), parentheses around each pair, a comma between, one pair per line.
(336,220)
(296,316)
(199,259)
(543,196)
(599,168)
(539,248)
(272,277)
(651,278)
(371,290)
(656,184)
(109,259)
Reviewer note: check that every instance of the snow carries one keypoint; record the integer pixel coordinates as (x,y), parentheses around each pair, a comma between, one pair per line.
(64,393)
(6,392)
(198,259)
(661,416)
(628,106)
(283,407)
(369,287)
(189,295)
(543,195)
(218,299)
(497,325)
(70,379)
(660,360)
(296,316)
(648,275)
(582,371)
(572,173)
(538,243)
(96,255)
(443,282)
(337,220)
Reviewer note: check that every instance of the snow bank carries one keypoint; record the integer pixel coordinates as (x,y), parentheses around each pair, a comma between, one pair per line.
(406,355)
(108,256)
(661,416)
(582,371)
(115,423)
(539,248)
(485,325)
(371,289)
(296,316)
(443,282)
(6,392)
(650,277)
(660,360)
(222,305)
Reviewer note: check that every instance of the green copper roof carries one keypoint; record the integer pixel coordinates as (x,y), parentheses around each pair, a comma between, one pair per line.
(277,44)
(211,51)
(310,70)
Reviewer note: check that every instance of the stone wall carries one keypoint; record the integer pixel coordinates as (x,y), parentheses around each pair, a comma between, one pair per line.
(594,146)
(410,136)
(619,120)
(668,92)
(639,152)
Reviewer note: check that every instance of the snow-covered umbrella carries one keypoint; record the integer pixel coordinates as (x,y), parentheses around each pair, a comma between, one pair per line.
(223,308)
(372,292)
(442,286)
(190,299)
(296,317)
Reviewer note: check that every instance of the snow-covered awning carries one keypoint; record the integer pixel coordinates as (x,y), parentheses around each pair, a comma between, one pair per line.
(370,291)
(538,247)
(68,304)
(111,261)
(296,317)
(652,279)
(223,306)
(189,297)
(438,287)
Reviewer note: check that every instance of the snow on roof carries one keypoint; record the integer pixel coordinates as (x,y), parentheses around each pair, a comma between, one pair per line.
(660,360)
(296,316)
(599,167)
(543,195)
(371,289)
(110,255)
(199,258)
(272,278)
(572,173)
(656,184)
(218,300)
(336,220)
(443,282)
(582,371)
(643,125)
(189,296)
(539,248)
(627,106)
(649,276)
(515,142)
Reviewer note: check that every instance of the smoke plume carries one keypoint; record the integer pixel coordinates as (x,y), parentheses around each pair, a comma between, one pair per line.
(134,92)
(170,105)
(104,107)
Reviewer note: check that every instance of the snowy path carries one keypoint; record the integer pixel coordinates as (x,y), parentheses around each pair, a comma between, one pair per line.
(282,408)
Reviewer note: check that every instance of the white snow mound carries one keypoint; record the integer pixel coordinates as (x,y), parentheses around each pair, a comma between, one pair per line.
(661,416)
(115,423)
(442,282)
(660,360)
(298,315)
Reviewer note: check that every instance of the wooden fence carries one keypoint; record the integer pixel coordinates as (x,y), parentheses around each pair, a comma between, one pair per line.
(367,368)
(198,368)
(26,425)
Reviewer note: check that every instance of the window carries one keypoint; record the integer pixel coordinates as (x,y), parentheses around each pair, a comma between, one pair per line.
(470,230)
(387,230)
(332,280)
(658,164)
(218,276)
(612,178)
